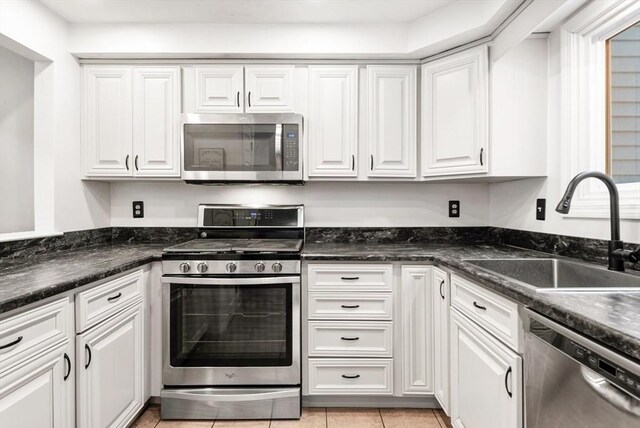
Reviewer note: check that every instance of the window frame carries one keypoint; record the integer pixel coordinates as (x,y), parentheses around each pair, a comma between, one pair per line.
(583,46)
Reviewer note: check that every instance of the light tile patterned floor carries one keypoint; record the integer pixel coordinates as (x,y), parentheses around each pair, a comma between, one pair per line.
(316,418)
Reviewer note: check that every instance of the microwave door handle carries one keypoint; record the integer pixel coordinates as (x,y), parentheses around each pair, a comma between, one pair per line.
(278,147)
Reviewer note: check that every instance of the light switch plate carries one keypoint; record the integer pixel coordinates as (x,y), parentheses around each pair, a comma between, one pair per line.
(541,207)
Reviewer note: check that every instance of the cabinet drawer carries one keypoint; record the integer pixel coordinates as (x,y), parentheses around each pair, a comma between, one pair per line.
(27,334)
(496,314)
(353,306)
(97,304)
(350,376)
(350,339)
(346,277)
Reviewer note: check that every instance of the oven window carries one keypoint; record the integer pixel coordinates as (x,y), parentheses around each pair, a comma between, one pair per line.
(230,325)
(229,147)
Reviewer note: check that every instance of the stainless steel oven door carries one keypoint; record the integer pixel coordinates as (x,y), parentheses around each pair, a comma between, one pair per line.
(242,147)
(231,331)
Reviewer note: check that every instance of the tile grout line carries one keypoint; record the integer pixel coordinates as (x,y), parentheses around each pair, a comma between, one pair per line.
(326,418)
(381,418)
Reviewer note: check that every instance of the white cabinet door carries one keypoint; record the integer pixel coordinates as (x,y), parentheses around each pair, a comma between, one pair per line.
(269,89)
(392,120)
(333,121)
(218,89)
(107,121)
(455,114)
(441,337)
(110,372)
(156,124)
(39,393)
(417,325)
(486,378)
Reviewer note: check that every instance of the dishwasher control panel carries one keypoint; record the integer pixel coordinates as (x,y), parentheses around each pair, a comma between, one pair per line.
(622,378)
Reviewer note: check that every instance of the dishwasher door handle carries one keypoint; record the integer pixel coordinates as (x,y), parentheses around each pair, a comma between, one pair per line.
(612,394)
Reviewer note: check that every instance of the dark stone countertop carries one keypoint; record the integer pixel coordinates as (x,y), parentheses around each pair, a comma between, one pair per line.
(611,318)
(26,280)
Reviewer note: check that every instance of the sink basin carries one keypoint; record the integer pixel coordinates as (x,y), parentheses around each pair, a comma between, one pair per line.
(560,275)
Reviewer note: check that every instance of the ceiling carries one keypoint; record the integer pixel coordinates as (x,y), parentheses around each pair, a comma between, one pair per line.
(244,11)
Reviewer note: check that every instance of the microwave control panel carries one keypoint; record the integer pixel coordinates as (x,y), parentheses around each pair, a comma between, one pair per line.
(290,147)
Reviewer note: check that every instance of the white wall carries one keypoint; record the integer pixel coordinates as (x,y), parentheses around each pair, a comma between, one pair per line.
(16,142)
(513,203)
(328,204)
(77,205)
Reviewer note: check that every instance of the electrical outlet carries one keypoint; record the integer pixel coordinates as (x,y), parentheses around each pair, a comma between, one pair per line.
(454,208)
(138,209)
(541,207)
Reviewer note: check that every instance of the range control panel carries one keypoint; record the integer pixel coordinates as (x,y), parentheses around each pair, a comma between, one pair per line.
(290,147)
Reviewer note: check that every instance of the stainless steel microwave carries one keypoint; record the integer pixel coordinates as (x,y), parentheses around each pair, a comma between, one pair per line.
(242,148)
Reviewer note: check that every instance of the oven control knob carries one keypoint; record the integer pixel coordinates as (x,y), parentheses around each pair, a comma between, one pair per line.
(202,267)
(184,267)
(277,267)
(259,267)
(232,267)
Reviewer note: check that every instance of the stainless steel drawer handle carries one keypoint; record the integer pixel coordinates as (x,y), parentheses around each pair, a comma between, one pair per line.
(484,308)
(350,338)
(10,344)
(114,298)
(441,293)
(351,376)
(506,381)
(350,306)
(349,278)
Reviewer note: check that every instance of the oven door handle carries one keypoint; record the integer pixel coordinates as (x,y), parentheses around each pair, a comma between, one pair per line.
(206,394)
(231,281)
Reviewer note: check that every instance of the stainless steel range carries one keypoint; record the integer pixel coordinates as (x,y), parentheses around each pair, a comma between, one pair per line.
(231,316)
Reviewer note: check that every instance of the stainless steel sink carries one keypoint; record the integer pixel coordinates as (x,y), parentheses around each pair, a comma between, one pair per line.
(560,275)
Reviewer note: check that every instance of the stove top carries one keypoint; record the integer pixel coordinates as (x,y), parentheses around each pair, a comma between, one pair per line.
(246,246)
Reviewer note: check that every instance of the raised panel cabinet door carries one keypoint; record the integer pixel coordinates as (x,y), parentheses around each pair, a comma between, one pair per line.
(269,89)
(39,393)
(110,372)
(107,121)
(455,114)
(417,325)
(486,378)
(441,337)
(156,124)
(333,121)
(392,120)
(219,89)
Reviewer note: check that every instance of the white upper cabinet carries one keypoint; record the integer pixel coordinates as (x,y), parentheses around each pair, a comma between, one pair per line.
(107,121)
(131,121)
(217,89)
(156,124)
(392,120)
(332,125)
(269,89)
(455,114)
(486,378)
(417,325)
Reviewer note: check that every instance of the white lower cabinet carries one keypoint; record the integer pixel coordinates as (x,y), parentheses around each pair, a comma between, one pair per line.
(441,337)
(110,370)
(486,378)
(417,327)
(351,376)
(39,393)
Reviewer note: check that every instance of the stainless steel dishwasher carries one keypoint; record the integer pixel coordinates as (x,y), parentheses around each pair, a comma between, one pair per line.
(571,381)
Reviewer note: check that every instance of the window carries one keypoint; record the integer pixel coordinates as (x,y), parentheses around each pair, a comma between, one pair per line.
(599,102)
(623,100)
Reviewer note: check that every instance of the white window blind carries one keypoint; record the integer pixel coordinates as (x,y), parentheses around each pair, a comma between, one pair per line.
(624,150)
